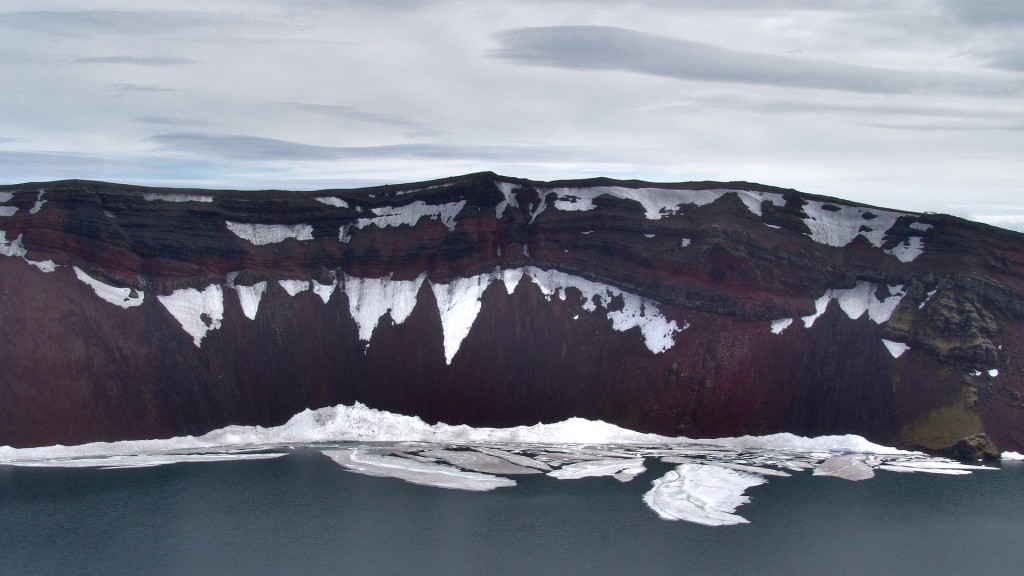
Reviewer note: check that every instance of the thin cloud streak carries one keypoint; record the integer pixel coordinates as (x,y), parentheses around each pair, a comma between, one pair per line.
(619,49)
(137,60)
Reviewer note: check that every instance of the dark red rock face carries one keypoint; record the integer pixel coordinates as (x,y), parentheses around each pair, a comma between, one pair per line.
(701,309)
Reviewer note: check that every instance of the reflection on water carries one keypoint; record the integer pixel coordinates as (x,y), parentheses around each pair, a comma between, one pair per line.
(303,514)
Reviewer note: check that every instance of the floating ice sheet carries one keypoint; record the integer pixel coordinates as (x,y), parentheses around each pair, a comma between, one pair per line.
(427,474)
(701,494)
(591,468)
(846,467)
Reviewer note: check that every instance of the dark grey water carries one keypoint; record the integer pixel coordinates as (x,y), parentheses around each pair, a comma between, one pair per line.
(302,514)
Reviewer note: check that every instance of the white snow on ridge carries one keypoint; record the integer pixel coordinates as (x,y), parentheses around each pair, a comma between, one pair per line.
(324,291)
(369,299)
(779,325)
(115,295)
(38,204)
(895,348)
(856,301)
(263,234)
(637,312)
(249,297)
(702,494)
(410,214)
(294,287)
(197,312)
(839,227)
(15,249)
(506,189)
(332,201)
(154,197)
(658,202)
(459,304)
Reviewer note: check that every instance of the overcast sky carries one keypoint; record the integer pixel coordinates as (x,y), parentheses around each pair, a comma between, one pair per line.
(916,104)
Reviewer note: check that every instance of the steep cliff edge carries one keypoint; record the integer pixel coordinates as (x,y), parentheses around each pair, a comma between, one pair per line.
(701,309)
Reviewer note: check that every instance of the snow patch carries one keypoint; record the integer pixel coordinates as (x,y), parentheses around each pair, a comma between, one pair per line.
(345,233)
(369,299)
(6,197)
(511,278)
(263,234)
(993,372)
(907,250)
(895,348)
(839,227)
(156,197)
(779,325)
(1014,456)
(701,494)
(249,297)
(927,298)
(324,291)
(410,214)
(332,201)
(293,287)
(920,226)
(459,304)
(685,242)
(38,204)
(506,189)
(657,202)
(8,210)
(637,312)
(197,312)
(115,295)
(857,300)
(16,249)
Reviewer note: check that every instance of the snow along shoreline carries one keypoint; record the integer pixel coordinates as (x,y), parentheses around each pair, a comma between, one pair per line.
(359,423)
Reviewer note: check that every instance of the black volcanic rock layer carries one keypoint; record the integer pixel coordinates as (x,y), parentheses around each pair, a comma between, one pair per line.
(701,309)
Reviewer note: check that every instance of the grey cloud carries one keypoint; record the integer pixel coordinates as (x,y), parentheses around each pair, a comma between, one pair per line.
(88,22)
(127,88)
(355,114)
(241,147)
(1011,59)
(995,13)
(607,48)
(137,60)
(171,121)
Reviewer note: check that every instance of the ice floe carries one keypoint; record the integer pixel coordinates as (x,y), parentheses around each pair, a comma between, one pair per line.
(155,196)
(846,467)
(622,469)
(263,234)
(197,312)
(410,214)
(701,494)
(1012,456)
(117,296)
(365,461)
(706,487)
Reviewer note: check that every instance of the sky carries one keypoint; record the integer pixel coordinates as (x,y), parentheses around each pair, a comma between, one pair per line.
(916,105)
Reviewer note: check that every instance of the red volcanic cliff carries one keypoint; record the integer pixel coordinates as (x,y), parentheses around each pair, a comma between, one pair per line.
(698,309)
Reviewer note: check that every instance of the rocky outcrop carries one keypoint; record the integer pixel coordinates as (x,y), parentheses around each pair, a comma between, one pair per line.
(703,309)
